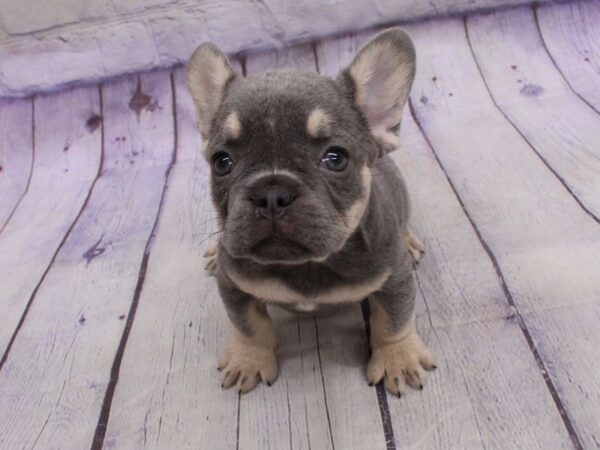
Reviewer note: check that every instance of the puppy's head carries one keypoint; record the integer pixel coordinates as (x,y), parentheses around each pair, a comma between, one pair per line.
(291,152)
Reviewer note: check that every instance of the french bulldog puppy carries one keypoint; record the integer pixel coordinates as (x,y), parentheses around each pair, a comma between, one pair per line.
(312,210)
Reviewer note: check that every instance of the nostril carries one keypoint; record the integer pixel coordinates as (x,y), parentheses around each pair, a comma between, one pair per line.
(260,201)
(285,199)
(272,203)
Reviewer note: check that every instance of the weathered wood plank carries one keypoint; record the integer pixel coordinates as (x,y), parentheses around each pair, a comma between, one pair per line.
(468,396)
(319,404)
(569,340)
(544,243)
(547,246)
(335,54)
(292,413)
(532,93)
(16,154)
(353,408)
(572,36)
(453,250)
(180,318)
(68,153)
(486,393)
(442,273)
(460,316)
(56,375)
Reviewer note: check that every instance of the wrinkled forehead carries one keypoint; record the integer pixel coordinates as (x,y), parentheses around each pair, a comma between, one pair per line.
(283,105)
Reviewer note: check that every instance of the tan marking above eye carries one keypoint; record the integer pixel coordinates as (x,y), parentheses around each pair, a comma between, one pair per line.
(318,124)
(233,126)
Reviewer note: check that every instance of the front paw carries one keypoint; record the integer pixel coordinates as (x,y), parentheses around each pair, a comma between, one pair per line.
(414,246)
(399,363)
(211,256)
(245,365)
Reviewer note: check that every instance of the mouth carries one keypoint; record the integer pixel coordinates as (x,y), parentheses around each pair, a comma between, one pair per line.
(277,249)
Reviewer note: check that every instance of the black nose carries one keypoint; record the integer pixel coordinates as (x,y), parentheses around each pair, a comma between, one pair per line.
(272,201)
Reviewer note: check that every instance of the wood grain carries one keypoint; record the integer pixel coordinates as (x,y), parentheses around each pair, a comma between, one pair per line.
(533,94)
(569,340)
(452,247)
(468,324)
(461,309)
(543,242)
(113,329)
(73,329)
(16,154)
(67,160)
(341,356)
(571,34)
(180,318)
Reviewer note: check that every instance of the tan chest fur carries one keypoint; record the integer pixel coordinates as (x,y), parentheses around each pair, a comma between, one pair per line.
(274,290)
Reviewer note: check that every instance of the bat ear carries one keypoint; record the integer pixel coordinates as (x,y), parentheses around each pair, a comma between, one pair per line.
(382,74)
(208,74)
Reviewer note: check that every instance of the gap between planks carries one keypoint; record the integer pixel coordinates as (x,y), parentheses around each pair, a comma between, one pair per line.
(576,441)
(534,8)
(175,291)
(508,295)
(118,175)
(30,173)
(102,425)
(68,232)
(159,214)
(518,130)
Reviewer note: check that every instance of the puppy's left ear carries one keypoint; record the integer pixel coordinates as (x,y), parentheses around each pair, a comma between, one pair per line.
(382,74)
(208,74)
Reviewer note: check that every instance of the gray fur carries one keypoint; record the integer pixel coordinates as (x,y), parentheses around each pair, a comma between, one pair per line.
(273,109)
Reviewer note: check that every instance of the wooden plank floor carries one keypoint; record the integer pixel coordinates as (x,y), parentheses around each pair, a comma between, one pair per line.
(110,330)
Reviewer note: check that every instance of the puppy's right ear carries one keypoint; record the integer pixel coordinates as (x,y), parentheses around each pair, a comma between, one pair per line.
(208,74)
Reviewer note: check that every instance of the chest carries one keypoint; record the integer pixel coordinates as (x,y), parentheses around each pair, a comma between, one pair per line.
(277,290)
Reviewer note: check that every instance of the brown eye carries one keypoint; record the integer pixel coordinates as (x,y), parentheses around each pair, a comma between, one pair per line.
(222,163)
(335,159)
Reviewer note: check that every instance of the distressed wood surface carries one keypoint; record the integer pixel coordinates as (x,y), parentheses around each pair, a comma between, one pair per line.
(544,243)
(571,35)
(325,364)
(293,412)
(440,276)
(569,341)
(461,316)
(180,318)
(16,154)
(72,331)
(68,153)
(119,343)
(470,326)
(43,50)
(528,88)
